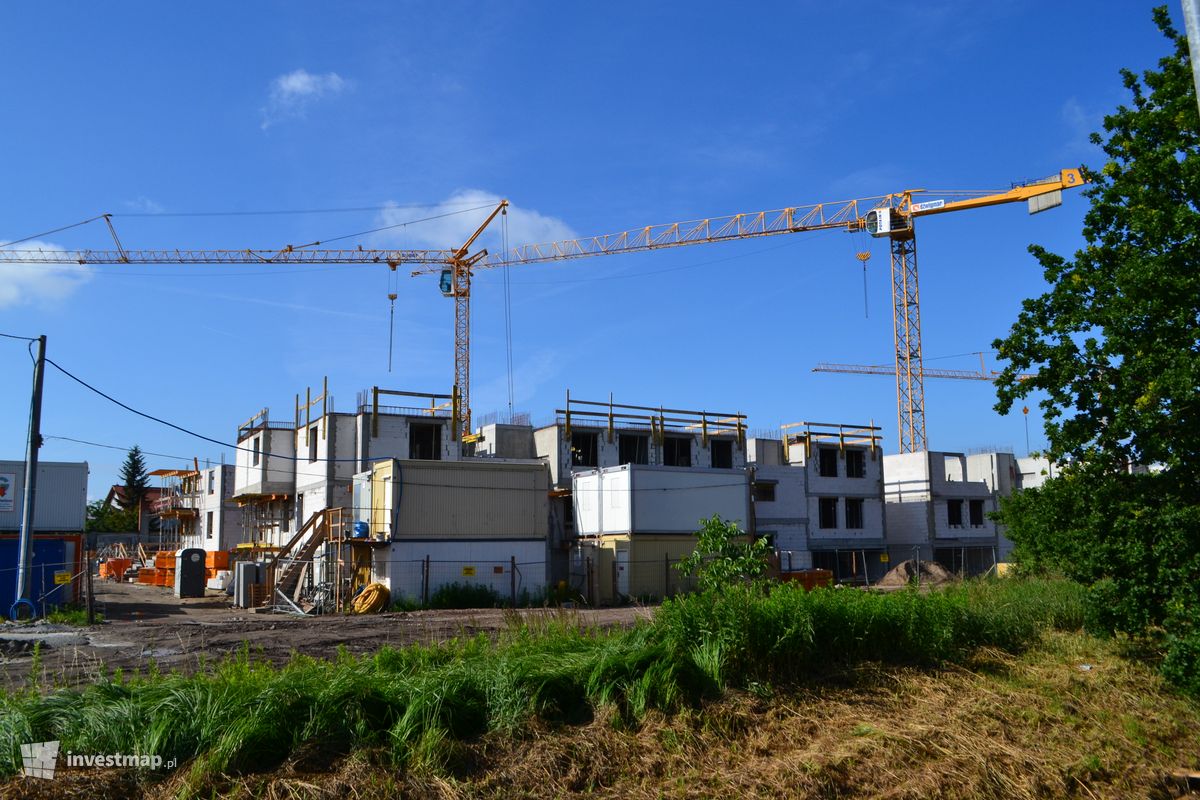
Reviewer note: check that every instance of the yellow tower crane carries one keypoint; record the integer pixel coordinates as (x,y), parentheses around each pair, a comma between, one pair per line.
(890,216)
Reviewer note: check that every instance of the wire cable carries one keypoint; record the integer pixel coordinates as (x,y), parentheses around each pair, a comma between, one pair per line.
(115,447)
(47,233)
(390,227)
(508,314)
(22,338)
(284,212)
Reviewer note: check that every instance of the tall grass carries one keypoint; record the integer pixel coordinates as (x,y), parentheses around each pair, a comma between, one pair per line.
(417,705)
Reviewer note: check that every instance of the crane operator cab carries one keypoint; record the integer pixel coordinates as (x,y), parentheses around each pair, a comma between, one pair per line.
(888,222)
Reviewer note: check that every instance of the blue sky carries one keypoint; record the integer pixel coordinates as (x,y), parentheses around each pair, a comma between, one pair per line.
(590,118)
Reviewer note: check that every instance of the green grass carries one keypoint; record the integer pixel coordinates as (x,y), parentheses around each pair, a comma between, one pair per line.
(71,615)
(420,704)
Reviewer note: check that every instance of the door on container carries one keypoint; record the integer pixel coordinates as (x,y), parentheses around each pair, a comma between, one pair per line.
(622,569)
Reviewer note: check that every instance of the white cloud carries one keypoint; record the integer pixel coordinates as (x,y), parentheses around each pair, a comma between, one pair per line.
(1078,124)
(44,284)
(454,223)
(144,205)
(292,93)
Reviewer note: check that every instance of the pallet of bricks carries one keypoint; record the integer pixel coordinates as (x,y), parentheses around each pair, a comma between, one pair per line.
(164,568)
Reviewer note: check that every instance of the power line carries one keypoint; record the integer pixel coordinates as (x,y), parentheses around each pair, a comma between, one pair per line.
(22,338)
(116,447)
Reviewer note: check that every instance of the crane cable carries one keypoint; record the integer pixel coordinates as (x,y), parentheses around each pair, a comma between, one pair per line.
(507,312)
(393,287)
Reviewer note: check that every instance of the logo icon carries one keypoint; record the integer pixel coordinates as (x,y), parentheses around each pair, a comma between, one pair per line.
(39,759)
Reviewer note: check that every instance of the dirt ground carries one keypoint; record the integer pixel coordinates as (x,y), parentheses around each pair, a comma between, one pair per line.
(148,624)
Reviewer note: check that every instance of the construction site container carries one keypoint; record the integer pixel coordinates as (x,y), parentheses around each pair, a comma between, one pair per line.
(473,499)
(61,504)
(416,570)
(55,574)
(635,499)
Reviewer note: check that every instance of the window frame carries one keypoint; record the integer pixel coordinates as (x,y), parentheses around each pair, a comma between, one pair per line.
(822,452)
(860,507)
(824,503)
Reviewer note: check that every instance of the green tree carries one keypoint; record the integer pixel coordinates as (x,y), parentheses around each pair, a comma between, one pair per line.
(106,519)
(724,555)
(134,479)
(1114,346)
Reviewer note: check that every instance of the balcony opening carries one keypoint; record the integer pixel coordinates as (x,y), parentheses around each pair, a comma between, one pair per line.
(827,458)
(854,513)
(722,453)
(954,513)
(677,451)
(425,441)
(827,506)
(633,448)
(976,510)
(585,449)
(312,443)
(856,464)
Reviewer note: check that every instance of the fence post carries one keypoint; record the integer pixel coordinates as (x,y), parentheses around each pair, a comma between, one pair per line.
(425,582)
(666,575)
(590,596)
(615,584)
(512,578)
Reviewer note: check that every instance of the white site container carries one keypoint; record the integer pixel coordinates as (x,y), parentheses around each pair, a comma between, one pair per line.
(635,498)
(61,502)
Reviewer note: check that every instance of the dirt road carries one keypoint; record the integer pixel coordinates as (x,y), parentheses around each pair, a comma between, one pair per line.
(147,624)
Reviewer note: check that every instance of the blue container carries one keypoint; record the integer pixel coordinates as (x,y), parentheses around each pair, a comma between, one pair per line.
(49,556)
(361,530)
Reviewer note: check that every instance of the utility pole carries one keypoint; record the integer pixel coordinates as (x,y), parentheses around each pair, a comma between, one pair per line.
(25,545)
(1191,18)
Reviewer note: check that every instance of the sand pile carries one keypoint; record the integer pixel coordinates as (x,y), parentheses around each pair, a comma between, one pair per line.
(932,573)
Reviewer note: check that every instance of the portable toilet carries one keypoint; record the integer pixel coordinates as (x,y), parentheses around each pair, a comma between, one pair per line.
(191,572)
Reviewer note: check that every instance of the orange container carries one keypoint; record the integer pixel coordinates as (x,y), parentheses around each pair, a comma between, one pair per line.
(809,578)
(114,568)
(146,575)
(164,559)
(216,559)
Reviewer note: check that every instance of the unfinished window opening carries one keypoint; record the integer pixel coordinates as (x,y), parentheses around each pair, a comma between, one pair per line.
(954,513)
(313,432)
(208,525)
(854,513)
(585,449)
(856,464)
(212,482)
(764,491)
(633,448)
(425,441)
(677,451)
(256,447)
(827,458)
(722,453)
(827,508)
(976,510)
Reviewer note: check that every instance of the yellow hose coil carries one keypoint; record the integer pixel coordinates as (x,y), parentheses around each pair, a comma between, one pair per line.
(374,597)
